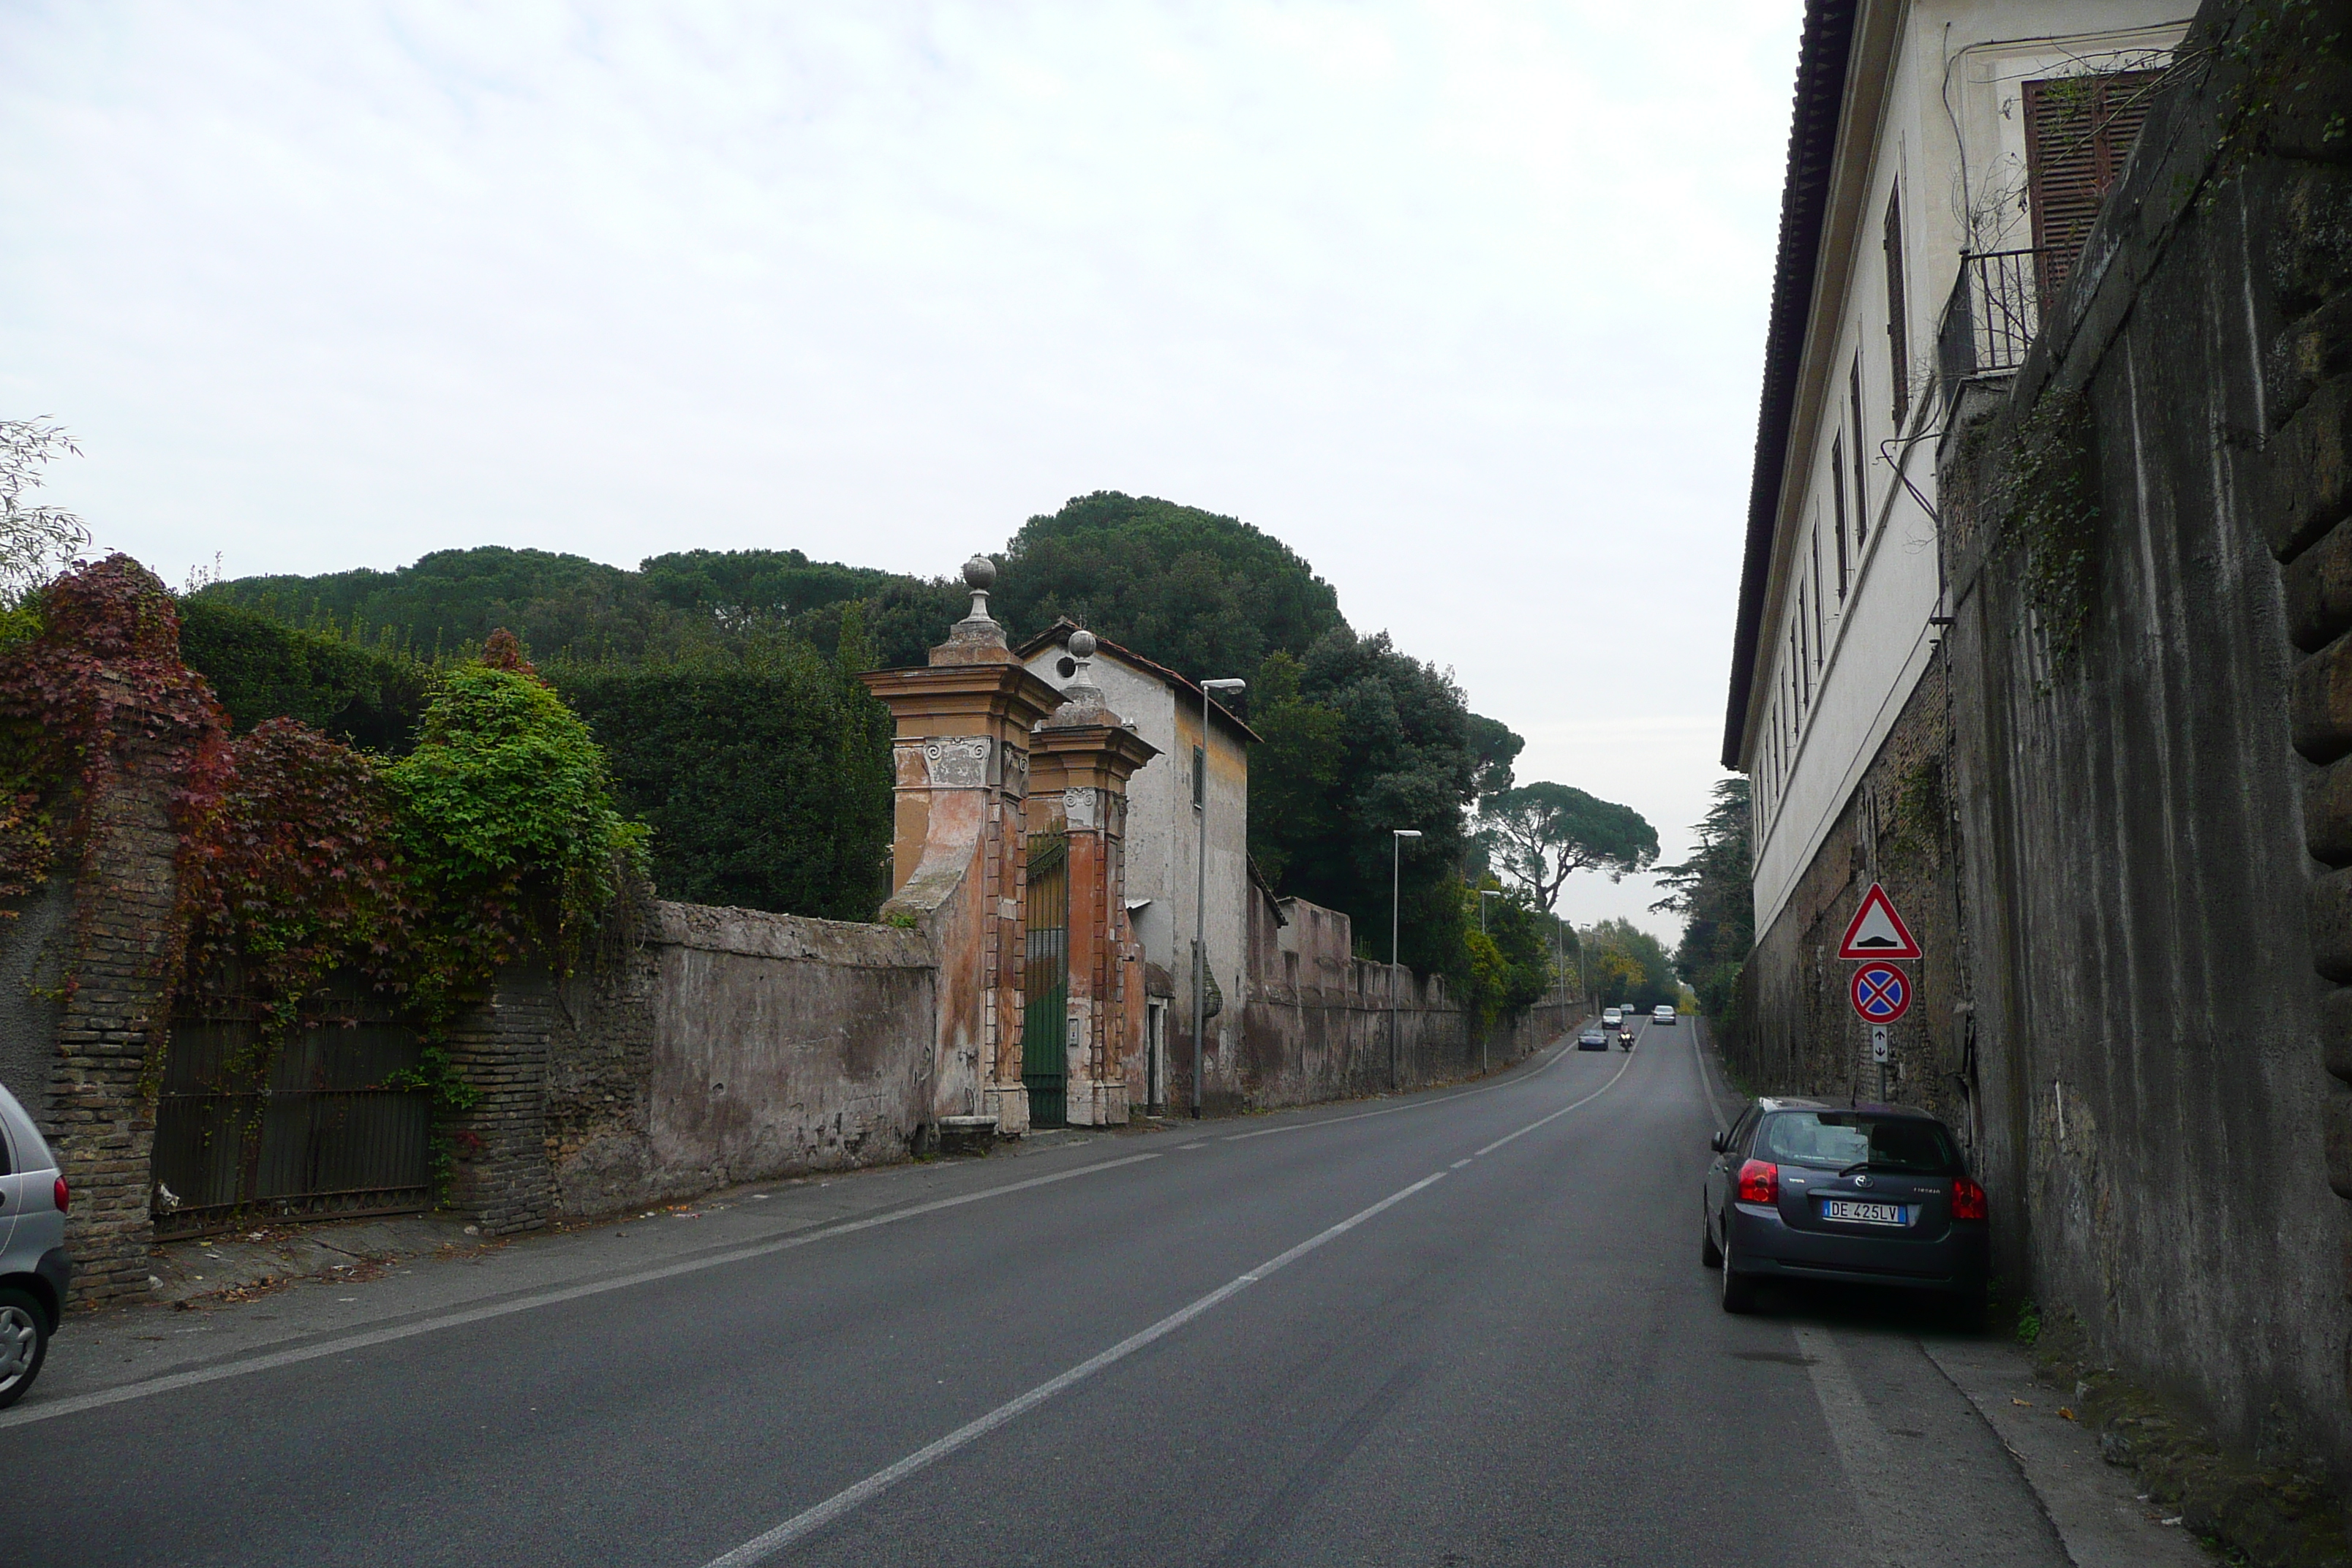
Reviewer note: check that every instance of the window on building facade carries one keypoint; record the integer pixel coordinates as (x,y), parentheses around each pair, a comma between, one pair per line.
(1804,653)
(1820,632)
(1898,323)
(1199,777)
(2079,132)
(1837,491)
(1854,429)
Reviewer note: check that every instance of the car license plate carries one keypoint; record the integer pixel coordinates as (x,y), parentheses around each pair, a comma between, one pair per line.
(1866,1213)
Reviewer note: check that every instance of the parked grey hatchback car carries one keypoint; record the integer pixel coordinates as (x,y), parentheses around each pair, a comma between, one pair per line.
(1858,1194)
(34,1271)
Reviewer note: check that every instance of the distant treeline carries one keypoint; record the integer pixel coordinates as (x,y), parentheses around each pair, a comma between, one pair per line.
(722,684)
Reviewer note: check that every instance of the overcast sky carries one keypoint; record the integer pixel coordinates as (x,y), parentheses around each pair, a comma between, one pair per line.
(1465,302)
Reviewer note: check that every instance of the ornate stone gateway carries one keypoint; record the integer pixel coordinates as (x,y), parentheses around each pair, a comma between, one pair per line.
(1045,982)
(1037,1018)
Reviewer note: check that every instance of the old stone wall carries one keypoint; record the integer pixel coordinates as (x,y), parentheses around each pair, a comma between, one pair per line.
(1317,1022)
(2147,724)
(722,1046)
(1795,1031)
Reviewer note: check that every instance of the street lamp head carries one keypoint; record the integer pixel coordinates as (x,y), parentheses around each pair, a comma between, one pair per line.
(1406,832)
(1224,688)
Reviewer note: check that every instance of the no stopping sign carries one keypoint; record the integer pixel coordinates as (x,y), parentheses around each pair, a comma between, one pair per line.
(1882,992)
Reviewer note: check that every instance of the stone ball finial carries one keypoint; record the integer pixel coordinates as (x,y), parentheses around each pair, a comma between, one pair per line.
(1082,645)
(978,572)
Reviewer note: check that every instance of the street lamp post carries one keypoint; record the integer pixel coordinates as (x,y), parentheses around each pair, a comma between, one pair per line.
(1397,836)
(1200,891)
(1483,894)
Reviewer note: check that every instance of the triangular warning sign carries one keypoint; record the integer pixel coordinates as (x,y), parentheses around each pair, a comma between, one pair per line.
(1877,932)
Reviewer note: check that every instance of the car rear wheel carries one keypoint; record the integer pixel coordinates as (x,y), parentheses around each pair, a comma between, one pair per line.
(1709,1254)
(24,1343)
(1738,1290)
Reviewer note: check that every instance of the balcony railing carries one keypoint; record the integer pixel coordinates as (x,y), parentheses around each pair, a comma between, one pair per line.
(1993,314)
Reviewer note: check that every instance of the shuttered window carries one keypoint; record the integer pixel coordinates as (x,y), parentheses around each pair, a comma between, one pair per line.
(1860,495)
(2079,132)
(1898,322)
(1821,635)
(1837,489)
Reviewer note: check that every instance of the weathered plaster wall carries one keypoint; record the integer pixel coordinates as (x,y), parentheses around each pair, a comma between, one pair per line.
(1317,1022)
(730,1045)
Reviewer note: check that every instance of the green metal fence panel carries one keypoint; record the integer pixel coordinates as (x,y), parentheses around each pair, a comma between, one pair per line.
(1045,982)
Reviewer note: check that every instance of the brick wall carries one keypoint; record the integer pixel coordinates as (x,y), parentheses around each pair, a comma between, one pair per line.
(501,1175)
(101,1118)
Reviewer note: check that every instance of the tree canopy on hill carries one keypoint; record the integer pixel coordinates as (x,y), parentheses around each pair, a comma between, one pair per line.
(1206,594)
(568,606)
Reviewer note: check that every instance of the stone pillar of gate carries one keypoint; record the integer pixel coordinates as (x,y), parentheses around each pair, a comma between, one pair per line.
(1082,755)
(959,846)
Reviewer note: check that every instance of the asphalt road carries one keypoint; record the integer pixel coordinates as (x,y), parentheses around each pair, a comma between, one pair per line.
(1468,1327)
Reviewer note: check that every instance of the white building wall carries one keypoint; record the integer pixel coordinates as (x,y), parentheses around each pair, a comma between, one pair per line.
(1162,831)
(1836,661)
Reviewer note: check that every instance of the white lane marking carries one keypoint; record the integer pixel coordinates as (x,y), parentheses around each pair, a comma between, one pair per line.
(760,1548)
(1560,1055)
(1705,1081)
(1459,1164)
(25,1415)
(1180,1147)
(1861,1445)
(1563,1111)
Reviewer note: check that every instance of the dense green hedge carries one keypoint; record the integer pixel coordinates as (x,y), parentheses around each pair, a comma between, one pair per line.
(261,668)
(765,775)
(763,771)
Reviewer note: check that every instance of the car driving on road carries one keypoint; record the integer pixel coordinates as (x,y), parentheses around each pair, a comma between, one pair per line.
(1611,1017)
(1663,1013)
(1592,1039)
(32,1268)
(1867,1194)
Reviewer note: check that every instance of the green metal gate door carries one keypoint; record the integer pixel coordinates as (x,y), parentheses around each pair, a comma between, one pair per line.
(1045,982)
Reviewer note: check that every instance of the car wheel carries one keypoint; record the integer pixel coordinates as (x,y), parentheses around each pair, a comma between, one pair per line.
(1738,1290)
(1709,1254)
(24,1343)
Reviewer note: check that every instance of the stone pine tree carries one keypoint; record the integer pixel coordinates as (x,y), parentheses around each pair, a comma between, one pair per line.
(1541,834)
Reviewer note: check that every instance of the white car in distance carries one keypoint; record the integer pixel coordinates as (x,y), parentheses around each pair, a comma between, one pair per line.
(1663,1013)
(1611,1017)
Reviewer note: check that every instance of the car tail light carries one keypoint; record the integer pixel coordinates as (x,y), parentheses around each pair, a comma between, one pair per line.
(62,1195)
(1759,1182)
(1968,1199)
